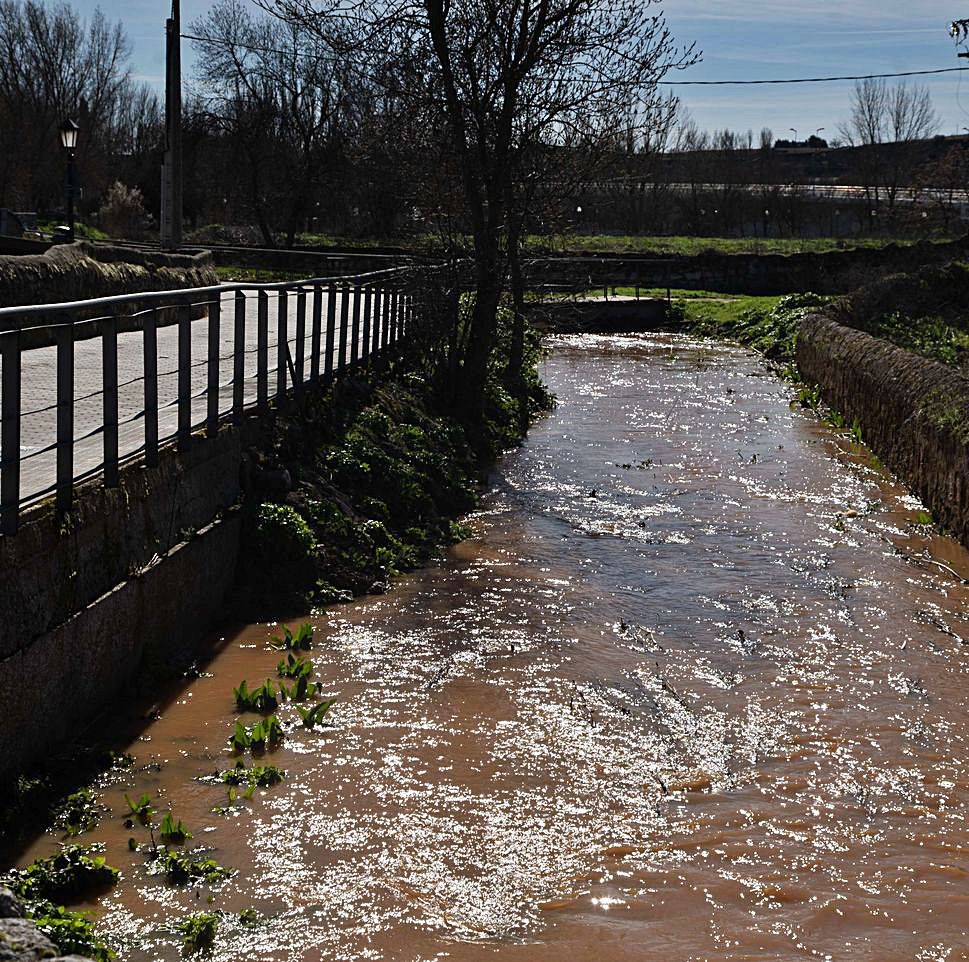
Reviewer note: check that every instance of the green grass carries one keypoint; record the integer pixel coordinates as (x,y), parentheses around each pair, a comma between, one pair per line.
(622,244)
(689,246)
(769,325)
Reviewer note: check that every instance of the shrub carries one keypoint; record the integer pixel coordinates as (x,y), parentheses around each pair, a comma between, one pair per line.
(123,212)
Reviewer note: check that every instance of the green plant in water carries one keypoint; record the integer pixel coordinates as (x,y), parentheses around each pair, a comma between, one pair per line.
(262,735)
(260,775)
(180,868)
(72,873)
(856,431)
(301,641)
(249,917)
(923,517)
(198,931)
(141,809)
(300,691)
(294,667)
(172,831)
(314,716)
(79,812)
(262,699)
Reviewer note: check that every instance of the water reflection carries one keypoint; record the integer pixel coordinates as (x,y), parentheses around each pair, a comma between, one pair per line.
(695,691)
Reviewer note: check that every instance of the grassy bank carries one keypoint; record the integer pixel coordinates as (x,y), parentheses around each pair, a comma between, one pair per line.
(366,483)
(923,312)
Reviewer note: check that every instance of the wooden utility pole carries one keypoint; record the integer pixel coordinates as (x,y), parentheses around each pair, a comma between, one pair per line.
(171,185)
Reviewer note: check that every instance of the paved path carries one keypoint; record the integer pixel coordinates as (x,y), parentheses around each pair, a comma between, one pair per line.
(39,386)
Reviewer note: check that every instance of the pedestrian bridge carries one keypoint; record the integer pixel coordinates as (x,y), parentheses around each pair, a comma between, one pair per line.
(92,385)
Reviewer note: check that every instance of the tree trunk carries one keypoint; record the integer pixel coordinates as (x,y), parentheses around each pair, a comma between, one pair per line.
(481,337)
(516,350)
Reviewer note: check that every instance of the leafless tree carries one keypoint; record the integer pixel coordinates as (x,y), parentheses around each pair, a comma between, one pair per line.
(884,122)
(54,65)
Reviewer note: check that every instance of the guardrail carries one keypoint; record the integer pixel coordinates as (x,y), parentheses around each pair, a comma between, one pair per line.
(99,398)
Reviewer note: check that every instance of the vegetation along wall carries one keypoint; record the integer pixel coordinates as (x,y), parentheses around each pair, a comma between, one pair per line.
(913,411)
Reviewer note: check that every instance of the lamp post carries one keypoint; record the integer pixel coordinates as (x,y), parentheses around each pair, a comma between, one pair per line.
(69,131)
(793,130)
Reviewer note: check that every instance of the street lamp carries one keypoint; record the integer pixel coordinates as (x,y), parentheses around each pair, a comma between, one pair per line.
(793,130)
(69,131)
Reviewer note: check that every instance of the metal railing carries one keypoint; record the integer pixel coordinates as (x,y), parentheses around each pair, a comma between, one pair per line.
(108,381)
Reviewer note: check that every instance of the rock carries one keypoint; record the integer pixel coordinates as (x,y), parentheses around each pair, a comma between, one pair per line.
(10,907)
(71,958)
(22,941)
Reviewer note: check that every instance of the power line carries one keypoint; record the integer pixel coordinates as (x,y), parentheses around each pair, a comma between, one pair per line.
(809,80)
(232,44)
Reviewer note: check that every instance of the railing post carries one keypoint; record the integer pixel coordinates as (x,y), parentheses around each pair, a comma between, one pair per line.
(65,417)
(212,388)
(377,308)
(385,320)
(150,364)
(344,324)
(109,398)
(10,432)
(365,335)
(315,337)
(239,359)
(282,346)
(355,330)
(330,329)
(300,339)
(184,376)
(262,352)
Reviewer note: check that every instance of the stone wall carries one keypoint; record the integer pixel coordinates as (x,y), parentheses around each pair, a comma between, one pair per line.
(73,272)
(131,574)
(913,412)
(835,272)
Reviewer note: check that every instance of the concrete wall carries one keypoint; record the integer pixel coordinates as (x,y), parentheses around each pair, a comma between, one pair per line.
(601,316)
(835,272)
(913,412)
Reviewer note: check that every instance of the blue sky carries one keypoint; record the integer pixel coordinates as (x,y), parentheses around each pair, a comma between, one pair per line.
(740,39)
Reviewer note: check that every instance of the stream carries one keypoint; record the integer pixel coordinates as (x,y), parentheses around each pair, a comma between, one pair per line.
(695,690)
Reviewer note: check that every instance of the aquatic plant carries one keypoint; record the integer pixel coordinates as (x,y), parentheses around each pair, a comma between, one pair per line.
(300,691)
(294,667)
(314,716)
(72,873)
(198,931)
(141,809)
(262,699)
(301,641)
(180,867)
(79,812)
(263,734)
(262,776)
(172,831)
(250,916)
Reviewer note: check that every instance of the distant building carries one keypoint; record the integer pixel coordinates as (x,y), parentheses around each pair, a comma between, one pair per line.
(810,146)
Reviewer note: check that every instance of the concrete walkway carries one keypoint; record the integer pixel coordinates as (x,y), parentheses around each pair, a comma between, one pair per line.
(39,386)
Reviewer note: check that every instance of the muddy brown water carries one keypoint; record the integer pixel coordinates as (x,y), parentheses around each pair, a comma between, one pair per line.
(695,690)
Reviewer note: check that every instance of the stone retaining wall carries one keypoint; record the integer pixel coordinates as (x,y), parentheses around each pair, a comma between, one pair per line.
(132,575)
(913,412)
(73,272)
(834,272)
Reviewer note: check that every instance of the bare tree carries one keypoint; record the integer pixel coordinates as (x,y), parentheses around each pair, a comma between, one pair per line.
(883,123)
(503,78)
(54,65)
